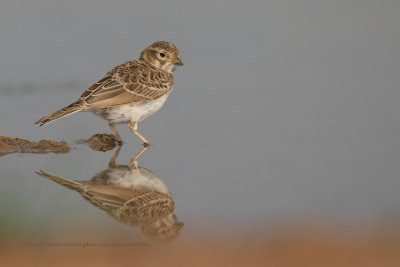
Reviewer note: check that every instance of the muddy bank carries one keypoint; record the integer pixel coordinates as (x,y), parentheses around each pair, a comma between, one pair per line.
(9,145)
(100,142)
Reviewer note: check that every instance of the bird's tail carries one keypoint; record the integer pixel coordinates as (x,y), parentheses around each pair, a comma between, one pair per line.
(59,114)
(62,181)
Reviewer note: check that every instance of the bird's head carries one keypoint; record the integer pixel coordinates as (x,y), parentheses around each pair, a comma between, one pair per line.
(163,230)
(162,55)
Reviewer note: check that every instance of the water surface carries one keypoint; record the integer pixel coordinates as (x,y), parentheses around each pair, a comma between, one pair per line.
(284,111)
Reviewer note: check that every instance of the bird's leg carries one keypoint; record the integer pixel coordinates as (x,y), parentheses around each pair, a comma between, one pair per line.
(112,163)
(133,127)
(133,162)
(114,130)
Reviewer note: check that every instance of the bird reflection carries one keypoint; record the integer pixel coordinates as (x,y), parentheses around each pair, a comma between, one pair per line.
(132,195)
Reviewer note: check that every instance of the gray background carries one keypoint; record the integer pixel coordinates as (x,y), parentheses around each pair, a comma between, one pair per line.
(284,110)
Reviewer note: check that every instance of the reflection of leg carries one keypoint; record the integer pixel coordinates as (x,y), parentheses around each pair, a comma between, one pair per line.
(112,163)
(114,130)
(133,127)
(133,162)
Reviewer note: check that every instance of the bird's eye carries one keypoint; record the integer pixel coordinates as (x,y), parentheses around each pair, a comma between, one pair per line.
(162,55)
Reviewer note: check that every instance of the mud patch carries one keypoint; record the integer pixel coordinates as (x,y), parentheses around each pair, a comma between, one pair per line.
(9,145)
(100,142)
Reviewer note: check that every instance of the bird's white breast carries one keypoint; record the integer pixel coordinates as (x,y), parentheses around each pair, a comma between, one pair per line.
(141,177)
(135,112)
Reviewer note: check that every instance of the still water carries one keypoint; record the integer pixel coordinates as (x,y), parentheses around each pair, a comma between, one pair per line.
(285,112)
(234,173)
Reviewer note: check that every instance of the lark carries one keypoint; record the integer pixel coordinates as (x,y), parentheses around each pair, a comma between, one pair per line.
(130,92)
(132,195)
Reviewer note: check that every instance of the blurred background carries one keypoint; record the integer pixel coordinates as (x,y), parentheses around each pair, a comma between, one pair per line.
(285,116)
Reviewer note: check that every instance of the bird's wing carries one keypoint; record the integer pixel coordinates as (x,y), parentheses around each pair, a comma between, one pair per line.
(129,83)
(129,206)
(108,198)
(148,207)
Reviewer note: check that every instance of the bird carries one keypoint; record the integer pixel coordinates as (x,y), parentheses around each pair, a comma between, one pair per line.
(131,91)
(132,195)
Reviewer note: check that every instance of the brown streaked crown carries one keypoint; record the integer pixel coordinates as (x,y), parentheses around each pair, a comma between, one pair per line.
(165,45)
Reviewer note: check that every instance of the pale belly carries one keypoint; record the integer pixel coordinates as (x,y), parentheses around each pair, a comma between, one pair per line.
(140,178)
(128,113)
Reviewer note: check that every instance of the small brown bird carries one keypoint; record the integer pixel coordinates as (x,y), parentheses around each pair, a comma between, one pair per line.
(129,92)
(132,195)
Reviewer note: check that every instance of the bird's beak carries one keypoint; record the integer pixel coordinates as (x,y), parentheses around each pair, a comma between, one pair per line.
(178,62)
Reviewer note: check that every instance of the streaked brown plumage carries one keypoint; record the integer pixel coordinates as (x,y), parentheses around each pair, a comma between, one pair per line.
(131,91)
(131,195)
